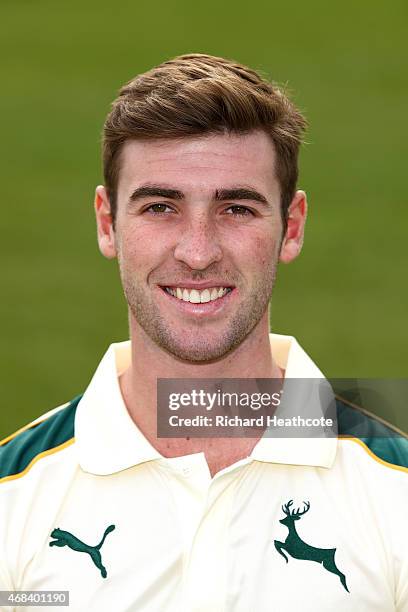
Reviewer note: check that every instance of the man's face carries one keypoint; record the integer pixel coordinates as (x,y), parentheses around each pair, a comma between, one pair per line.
(198,234)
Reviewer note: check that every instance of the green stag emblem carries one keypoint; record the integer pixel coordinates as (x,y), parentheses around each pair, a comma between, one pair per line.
(298,549)
(64,538)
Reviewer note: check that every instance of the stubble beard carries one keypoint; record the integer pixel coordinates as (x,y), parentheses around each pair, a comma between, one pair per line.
(192,344)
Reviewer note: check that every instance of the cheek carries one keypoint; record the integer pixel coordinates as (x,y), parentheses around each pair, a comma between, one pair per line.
(141,250)
(259,243)
(263,253)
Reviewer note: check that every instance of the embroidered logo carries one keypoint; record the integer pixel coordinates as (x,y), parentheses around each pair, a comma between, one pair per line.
(64,538)
(298,549)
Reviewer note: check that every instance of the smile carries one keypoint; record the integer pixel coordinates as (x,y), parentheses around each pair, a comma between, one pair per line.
(196,296)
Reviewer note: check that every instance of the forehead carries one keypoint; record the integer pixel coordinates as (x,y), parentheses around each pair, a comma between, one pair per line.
(200,163)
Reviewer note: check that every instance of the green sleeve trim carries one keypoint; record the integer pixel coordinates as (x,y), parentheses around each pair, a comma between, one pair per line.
(20,450)
(380,437)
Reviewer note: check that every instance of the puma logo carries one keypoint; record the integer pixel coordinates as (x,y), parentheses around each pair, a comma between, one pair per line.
(64,538)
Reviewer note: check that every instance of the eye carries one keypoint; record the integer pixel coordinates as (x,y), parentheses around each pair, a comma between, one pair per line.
(159,209)
(239,211)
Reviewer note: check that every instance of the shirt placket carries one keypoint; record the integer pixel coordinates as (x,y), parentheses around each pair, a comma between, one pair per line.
(205,519)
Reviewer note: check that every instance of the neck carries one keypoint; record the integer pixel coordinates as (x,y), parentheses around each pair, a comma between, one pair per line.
(251,359)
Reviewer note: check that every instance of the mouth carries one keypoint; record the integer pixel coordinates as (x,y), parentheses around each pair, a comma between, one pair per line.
(198,296)
(200,302)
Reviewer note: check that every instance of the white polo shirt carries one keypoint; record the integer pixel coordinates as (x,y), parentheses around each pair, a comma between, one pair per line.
(87,505)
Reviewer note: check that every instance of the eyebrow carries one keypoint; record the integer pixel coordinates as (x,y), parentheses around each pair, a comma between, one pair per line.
(156,191)
(221,195)
(240,193)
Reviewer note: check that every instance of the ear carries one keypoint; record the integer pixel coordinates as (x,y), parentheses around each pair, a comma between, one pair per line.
(104,223)
(293,239)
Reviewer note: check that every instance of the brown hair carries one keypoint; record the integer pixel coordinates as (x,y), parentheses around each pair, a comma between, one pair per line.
(200,94)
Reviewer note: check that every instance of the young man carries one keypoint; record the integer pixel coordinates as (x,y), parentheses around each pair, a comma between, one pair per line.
(199,206)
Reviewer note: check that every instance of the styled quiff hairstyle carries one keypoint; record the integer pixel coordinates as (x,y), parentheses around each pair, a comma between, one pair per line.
(197,94)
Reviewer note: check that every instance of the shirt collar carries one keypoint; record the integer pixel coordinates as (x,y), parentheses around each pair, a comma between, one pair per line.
(311,451)
(108,441)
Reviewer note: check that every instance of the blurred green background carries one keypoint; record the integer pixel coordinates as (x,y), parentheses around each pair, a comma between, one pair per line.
(345,299)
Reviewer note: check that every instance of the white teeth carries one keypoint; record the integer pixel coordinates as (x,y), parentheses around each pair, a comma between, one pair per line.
(205,296)
(195,296)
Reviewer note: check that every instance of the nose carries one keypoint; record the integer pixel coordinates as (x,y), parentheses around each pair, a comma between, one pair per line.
(199,245)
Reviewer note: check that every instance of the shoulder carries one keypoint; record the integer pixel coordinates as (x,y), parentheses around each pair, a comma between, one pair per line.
(380,440)
(48,434)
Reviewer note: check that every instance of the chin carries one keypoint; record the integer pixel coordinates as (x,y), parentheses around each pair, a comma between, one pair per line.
(191,356)
(200,350)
